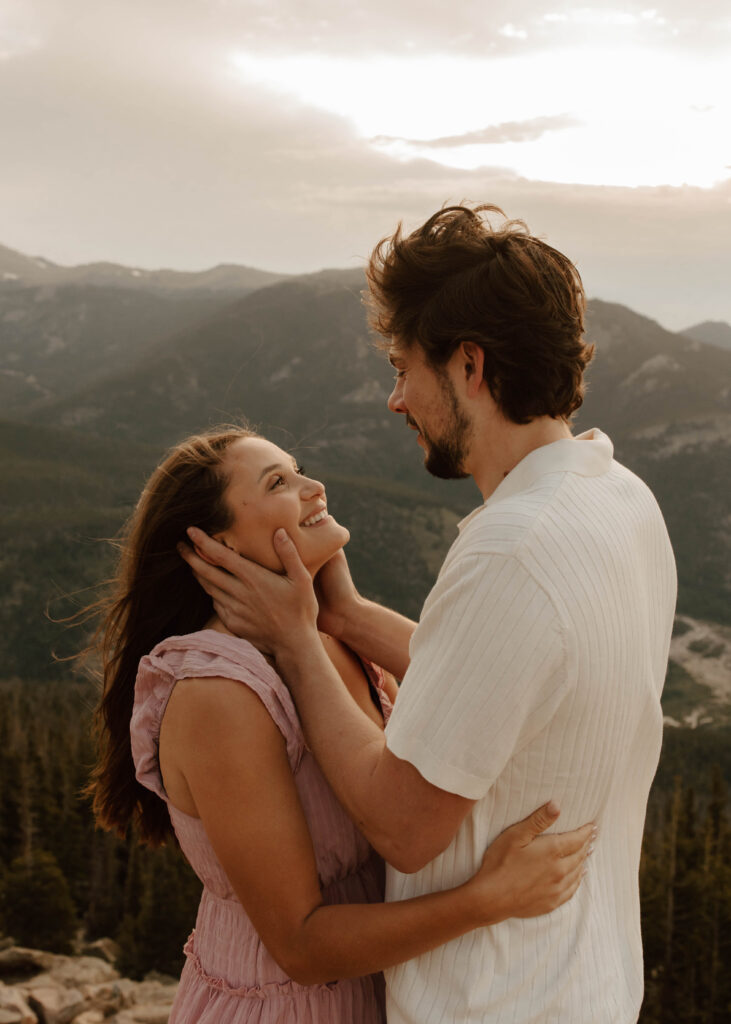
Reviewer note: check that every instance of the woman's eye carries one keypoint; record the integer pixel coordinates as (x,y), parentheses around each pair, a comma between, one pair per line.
(277,481)
(300,471)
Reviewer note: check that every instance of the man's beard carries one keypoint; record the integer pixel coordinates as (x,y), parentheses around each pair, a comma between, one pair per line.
(445,456)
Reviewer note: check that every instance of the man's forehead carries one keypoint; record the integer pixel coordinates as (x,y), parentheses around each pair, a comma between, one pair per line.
(397,351)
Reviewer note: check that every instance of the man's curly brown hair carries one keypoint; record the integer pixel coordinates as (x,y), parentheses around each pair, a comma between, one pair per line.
(456,278)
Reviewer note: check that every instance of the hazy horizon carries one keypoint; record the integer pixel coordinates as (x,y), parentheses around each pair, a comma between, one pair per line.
(292,135)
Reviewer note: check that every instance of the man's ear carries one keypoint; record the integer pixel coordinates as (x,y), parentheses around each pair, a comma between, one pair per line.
(473,361)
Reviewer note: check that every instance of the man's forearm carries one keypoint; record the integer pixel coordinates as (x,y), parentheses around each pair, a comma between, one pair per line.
(379,634)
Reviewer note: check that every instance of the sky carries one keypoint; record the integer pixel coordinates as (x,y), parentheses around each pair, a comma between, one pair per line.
(292,135)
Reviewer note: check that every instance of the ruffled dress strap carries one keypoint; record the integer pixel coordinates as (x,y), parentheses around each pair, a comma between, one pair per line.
(375,676)
(205,654)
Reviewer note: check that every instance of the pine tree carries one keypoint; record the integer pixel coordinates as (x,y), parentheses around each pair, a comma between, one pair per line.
(36,905)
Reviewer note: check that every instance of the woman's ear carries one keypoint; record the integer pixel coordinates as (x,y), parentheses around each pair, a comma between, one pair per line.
(222,539)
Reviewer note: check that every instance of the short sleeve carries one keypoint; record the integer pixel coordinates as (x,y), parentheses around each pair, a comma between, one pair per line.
(487,673)
(205,654)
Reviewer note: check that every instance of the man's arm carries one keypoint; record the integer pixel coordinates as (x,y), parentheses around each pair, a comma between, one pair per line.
(376,633)
(407,819)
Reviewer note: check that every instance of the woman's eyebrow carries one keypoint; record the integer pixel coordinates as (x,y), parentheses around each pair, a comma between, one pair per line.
(275,465)
(268,469)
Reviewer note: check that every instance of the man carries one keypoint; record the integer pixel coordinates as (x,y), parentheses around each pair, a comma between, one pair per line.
(539,658)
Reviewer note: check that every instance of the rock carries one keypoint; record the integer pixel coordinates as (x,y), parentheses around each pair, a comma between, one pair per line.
(84,989)
(76,972)
(164,979)
(145,1013)
(155,993)
(54,1004)
(13,1007)
(104,949)
(153,1001)
(128,991)
(107,997)
(17,961)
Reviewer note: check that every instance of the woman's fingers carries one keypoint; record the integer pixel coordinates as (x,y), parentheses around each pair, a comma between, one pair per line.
(570,884)
(526,831)
(576,860)
(576,841)
(541,819)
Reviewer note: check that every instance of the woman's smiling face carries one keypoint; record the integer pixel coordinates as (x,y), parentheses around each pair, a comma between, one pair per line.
(267,490)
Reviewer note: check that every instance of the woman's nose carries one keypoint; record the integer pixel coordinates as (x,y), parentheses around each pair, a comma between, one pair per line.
(311,487)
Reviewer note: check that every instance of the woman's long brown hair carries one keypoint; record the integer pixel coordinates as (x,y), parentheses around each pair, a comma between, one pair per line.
(154,596)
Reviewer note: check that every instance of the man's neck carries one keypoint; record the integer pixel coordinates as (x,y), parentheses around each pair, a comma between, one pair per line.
(499,448)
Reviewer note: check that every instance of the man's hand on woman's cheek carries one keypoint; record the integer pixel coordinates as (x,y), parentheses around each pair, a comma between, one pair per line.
(253,602)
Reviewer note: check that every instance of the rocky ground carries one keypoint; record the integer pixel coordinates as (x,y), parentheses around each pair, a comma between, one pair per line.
(45,988)
(703,650)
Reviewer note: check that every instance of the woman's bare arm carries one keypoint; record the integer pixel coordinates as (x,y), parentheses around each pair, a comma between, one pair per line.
(220,745)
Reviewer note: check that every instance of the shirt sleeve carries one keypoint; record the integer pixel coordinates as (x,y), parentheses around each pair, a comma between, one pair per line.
(487,673)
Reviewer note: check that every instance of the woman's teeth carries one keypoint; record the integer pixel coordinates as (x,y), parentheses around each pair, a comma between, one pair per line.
(315,519)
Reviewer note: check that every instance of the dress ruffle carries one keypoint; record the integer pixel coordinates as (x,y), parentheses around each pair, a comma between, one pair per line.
(266,991)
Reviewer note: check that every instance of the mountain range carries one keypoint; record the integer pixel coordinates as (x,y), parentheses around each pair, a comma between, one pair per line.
(711,332)
(97,379)
(19,269)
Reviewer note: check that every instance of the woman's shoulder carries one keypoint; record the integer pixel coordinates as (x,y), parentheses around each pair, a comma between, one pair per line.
(207,654)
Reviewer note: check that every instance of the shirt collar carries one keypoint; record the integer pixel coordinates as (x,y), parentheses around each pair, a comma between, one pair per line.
(592,457)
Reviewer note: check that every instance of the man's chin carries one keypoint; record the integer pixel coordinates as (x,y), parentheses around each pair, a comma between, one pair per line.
(443,468)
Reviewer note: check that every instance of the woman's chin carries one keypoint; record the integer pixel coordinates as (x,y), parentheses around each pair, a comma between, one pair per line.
(340,537)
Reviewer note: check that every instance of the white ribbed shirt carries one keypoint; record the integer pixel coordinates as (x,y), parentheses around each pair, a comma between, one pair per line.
(536,672)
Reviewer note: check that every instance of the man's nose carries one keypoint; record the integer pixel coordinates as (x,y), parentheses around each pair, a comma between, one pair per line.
(396,399)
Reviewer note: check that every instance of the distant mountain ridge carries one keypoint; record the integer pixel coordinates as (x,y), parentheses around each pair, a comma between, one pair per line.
(129,373)
(19,269)
(711,332)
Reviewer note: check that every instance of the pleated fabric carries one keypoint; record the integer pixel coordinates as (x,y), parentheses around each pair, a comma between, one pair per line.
(229,977)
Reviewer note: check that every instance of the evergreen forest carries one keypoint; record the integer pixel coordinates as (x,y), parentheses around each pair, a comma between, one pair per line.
(60,876)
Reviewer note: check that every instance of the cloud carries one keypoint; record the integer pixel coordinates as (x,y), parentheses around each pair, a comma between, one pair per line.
(380,26)
(127,136)
(509,131)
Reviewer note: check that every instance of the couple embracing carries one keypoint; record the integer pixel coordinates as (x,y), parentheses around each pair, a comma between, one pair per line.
(251,704)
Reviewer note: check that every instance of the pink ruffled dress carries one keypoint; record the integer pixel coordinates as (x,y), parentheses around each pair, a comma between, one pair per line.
(229,977)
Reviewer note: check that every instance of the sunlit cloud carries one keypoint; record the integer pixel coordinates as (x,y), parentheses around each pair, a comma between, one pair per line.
(627,116)
(129,133)
(510,131)
(511,32)
(605,17)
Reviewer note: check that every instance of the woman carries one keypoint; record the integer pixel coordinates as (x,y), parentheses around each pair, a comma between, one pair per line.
(199,734)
